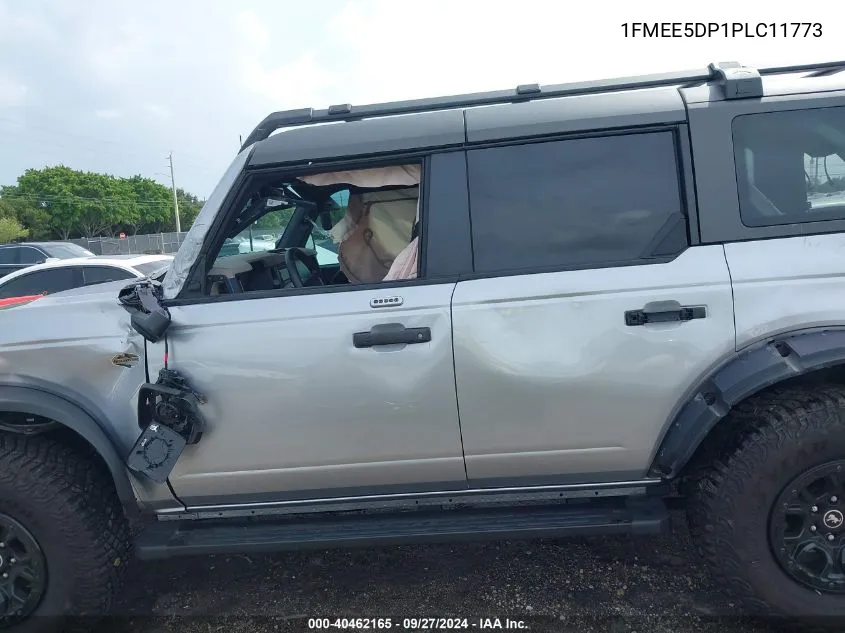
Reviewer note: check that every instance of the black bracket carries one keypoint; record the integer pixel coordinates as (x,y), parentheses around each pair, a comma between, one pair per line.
(172,403)
(168,411)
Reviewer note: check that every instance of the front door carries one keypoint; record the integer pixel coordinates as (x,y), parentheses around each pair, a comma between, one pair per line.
(296,410)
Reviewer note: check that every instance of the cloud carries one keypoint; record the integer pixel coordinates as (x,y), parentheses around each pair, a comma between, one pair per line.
(12,92)
(193,75)
(107,113)
(158,111)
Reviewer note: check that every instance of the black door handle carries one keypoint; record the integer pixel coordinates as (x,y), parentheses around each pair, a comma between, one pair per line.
(391,334)
(682,313)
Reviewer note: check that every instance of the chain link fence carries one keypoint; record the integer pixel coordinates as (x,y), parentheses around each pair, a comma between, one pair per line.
(150,244)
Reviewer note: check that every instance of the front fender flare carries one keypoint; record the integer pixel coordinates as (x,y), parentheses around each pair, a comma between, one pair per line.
(748,372)
(53,407)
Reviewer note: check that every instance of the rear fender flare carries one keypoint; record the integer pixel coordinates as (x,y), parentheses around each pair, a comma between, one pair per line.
(48,405)
(753,369)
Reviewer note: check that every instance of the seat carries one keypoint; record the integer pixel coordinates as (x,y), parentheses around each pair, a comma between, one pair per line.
(375,236)
(406,264)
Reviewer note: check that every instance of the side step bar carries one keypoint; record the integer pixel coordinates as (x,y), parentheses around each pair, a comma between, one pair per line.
(178,538)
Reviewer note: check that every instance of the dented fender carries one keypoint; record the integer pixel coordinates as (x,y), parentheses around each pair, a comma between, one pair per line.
(74,357)
(41,402)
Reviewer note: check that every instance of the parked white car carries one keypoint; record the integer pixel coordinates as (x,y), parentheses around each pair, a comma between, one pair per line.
(64,274)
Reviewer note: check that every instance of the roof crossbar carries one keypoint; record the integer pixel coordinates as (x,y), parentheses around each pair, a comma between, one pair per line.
(737,81)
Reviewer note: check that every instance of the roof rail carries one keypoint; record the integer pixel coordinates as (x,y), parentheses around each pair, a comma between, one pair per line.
(737,81)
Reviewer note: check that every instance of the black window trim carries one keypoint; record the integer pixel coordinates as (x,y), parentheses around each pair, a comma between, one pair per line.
(686,194)
(686,186)
(189,296)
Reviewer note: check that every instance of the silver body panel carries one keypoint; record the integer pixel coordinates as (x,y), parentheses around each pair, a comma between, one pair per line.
(78,333)
(294,407)
(552,385)
(787,284)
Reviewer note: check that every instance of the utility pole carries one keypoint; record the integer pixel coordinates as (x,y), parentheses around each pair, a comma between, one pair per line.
(175,200)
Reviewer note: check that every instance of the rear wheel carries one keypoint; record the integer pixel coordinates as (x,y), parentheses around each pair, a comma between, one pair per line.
(767,505)
(63,538)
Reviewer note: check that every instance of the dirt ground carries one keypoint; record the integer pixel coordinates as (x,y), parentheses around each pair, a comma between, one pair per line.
(633,585)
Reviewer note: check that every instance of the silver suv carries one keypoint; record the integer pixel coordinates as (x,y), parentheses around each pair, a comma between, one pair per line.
(548,311)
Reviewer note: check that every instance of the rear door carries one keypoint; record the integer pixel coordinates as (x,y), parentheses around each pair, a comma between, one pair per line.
(591,311)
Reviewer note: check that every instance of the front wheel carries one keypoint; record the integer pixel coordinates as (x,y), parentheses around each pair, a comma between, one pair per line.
(63,538)
(768,510)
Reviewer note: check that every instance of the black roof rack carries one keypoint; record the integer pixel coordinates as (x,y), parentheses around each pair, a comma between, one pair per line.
(737,81)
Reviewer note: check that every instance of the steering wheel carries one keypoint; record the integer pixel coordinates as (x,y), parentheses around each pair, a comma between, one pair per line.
(295,254)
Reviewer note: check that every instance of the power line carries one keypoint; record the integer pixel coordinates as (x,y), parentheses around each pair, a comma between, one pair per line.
(26,129)
(74,198)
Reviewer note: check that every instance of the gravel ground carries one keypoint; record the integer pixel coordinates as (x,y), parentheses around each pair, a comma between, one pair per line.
(642,585)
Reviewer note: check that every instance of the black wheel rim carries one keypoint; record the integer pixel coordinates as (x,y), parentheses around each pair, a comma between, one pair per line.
(807,528)
(23,572)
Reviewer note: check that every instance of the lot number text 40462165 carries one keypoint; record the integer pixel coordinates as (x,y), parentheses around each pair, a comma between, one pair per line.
(416,624)
(789,30)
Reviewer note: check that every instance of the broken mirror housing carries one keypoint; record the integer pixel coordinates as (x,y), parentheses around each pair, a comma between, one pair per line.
(149,318)
(168,413)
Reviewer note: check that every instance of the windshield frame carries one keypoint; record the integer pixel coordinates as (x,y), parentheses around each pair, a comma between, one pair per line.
(153,269)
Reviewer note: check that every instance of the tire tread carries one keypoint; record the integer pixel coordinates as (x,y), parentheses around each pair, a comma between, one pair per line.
(73,488)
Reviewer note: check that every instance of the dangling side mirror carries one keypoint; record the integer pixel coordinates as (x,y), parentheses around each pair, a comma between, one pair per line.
(149,318)
(152,326)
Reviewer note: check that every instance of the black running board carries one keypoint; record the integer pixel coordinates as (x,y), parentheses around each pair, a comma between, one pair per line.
(171,538)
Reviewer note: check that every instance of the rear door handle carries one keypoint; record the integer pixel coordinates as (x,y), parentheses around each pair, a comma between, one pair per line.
(664,312)
(391,334)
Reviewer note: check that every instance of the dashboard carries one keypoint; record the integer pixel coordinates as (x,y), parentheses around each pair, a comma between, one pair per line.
(250,272)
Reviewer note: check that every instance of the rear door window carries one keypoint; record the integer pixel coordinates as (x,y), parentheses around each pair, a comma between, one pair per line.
(42,282)
(29,255)
(579,203)
(103,274)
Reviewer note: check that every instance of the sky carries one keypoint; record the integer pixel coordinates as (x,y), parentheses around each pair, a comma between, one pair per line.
(116,85)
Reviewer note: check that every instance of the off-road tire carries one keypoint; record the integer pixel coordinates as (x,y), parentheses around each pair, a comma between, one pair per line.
(762,445)
(65,498)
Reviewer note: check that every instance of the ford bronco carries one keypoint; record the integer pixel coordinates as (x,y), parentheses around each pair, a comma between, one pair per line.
(541,312)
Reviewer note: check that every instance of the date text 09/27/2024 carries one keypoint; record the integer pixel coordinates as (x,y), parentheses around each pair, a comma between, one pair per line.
(416,624)
(722,29)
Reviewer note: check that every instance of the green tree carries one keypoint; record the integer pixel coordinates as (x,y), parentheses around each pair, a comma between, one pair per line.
(25,212)
(11,229)
(59,202)
(189,208)
(153,204)
(50,189)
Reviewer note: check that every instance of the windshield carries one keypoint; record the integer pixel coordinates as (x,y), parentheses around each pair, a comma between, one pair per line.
(66,251)
(149,269)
